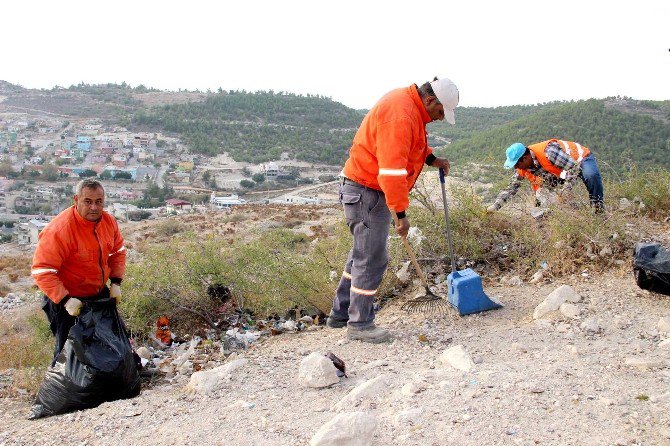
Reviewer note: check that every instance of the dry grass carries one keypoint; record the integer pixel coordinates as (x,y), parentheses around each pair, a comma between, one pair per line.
(26,345)
(18,264)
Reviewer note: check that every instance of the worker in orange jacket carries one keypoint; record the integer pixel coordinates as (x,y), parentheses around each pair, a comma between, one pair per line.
(548,164)
(77,253)
(387,155)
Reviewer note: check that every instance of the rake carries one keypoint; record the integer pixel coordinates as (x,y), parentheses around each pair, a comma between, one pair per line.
(430,302)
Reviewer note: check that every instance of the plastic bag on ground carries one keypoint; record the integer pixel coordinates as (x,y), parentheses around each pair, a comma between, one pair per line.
(95,365)
(651,267)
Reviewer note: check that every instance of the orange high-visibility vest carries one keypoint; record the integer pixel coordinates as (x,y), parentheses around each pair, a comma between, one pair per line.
(577,151)
(391,147)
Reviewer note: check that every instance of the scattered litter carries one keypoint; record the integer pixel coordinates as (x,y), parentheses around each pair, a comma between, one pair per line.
(338,363)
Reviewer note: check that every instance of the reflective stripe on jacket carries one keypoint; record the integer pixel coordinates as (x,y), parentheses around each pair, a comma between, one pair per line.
(391,146)
(574,149)
(76,257)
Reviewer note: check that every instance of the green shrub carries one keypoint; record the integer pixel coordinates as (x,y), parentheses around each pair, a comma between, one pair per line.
(652,187)
(510,240)
(276,271)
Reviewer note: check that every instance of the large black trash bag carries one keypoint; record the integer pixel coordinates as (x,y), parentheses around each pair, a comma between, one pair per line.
(651,267)
(95,365)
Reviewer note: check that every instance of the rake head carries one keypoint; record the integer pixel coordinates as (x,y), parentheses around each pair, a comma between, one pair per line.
(430,303)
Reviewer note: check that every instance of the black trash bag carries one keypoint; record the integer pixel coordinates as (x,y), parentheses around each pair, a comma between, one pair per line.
(651,267)
(95,365)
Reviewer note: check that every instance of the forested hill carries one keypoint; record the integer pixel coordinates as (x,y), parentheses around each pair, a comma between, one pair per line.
(619,131)
(260,126)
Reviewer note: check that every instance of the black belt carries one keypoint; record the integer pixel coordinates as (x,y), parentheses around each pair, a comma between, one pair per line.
(345,180)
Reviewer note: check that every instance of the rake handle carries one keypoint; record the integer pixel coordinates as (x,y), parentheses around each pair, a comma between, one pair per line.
(446,220)
(411,255)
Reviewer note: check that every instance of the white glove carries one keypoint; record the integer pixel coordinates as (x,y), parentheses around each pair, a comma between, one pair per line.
(491,209)
(115,292)
(73,306)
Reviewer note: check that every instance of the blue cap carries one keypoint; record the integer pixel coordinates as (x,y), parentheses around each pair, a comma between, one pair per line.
(514,152)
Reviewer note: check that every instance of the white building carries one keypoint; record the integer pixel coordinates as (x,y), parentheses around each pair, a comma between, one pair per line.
(28,233)
(295,199)
(226,202)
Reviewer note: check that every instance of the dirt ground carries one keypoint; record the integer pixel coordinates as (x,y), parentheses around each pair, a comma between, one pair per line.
(558,381)
(600,378)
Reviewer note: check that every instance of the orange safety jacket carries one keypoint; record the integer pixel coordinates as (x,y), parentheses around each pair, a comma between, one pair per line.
(577,151)
(391,146)
(75,257)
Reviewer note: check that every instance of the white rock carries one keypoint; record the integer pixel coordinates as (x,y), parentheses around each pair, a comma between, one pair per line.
(573,350)
(412,388)
(409,416)
(347,429)
(537,277)
(591,325)
(317,371)
(569,310)
(205,382)
(606,251)
(366,392)
(403,273)
(457,357)
(537,212)
(182,358)
(625,204)
(515,281)
(664,324)
(555,299)
(186,368)
(644,364)
(143,352)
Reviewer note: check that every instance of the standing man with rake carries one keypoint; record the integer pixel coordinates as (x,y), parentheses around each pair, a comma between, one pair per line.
(385,160)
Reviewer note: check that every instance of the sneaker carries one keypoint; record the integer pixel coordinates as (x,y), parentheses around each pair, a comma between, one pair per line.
(335,323)
(373,334)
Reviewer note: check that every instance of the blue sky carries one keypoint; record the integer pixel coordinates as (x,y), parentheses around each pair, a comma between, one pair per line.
(498,53)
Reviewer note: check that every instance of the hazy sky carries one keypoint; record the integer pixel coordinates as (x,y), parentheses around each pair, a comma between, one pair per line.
(497,52)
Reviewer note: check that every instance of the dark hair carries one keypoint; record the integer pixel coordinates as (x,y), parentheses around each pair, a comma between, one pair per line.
(427,89)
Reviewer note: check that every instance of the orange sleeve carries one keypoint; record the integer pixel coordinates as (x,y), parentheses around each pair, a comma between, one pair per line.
(394,140)
(49,255)
(117,258)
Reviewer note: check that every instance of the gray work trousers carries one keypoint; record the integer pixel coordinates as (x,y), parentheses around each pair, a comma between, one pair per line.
(369,220)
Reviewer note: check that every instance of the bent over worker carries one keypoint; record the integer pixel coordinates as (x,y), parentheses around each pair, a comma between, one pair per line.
(77,253)
(386,158)
(549,164)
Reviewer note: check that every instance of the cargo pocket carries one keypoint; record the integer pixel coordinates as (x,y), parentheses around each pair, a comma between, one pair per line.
(352,206)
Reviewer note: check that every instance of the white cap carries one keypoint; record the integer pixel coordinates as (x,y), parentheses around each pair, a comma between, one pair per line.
(447,94)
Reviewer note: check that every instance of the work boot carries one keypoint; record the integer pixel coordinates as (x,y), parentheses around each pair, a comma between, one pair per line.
(333,322)
(372,334)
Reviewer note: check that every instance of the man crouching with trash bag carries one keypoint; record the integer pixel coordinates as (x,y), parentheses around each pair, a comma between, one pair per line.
(77,253)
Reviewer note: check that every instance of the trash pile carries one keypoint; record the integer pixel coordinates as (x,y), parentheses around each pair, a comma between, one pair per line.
(173,358)
(11,301)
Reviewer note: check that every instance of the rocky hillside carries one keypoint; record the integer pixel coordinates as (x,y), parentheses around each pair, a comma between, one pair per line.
(575,359)
(595,372)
